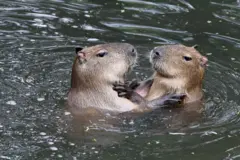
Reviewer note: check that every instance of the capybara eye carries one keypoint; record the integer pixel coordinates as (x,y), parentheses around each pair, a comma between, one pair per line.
(133,50)
(102,54)
(157,53)
(186,58)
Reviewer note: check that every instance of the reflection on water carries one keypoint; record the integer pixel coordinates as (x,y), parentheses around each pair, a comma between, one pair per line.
(37,40)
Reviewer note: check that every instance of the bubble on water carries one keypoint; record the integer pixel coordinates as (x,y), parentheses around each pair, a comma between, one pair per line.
(209,21)
(96,152)
(53,148)
(29,79)
(28,94)
(46,137)
(39,25)
(131,122)
(188,39)
(50,143)
(157,142)
(92,39)
(209,133)
(88,27)
(177,133)
(233,59)
(208,54)
(122,11)
(4,157)
(74,26)
(67,113)
(40,99)
(38,20)
(42,133)
(71,144)
(13,103)
(87,15)
(66,20)
(59,156)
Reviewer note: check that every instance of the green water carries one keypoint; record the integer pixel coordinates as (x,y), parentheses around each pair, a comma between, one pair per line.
(37,40)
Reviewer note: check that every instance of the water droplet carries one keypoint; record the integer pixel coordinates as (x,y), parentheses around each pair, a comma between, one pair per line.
(59,156)
(67,113)
(131,122)
(92,39)
(54,148)
(176,133)
(13,103)
(40,99)
(66,20)
(71,144)
(43,134)
(5,157)
(50,143)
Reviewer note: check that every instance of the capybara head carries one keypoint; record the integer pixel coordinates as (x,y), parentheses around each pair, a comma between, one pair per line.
(105,62)
(178,61)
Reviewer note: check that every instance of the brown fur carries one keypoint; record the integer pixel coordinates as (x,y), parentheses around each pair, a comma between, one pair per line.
(173,74)
(92,79)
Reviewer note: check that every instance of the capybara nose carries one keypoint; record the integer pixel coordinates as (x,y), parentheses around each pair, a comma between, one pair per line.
(133,52)
(158,51)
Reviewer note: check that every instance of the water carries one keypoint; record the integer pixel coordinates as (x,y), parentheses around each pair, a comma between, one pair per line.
(37,40)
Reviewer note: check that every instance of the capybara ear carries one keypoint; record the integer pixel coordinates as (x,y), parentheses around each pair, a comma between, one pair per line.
(203,61)
(77,49)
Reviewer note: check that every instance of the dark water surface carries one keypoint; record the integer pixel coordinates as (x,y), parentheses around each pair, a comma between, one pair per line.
(37,40)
